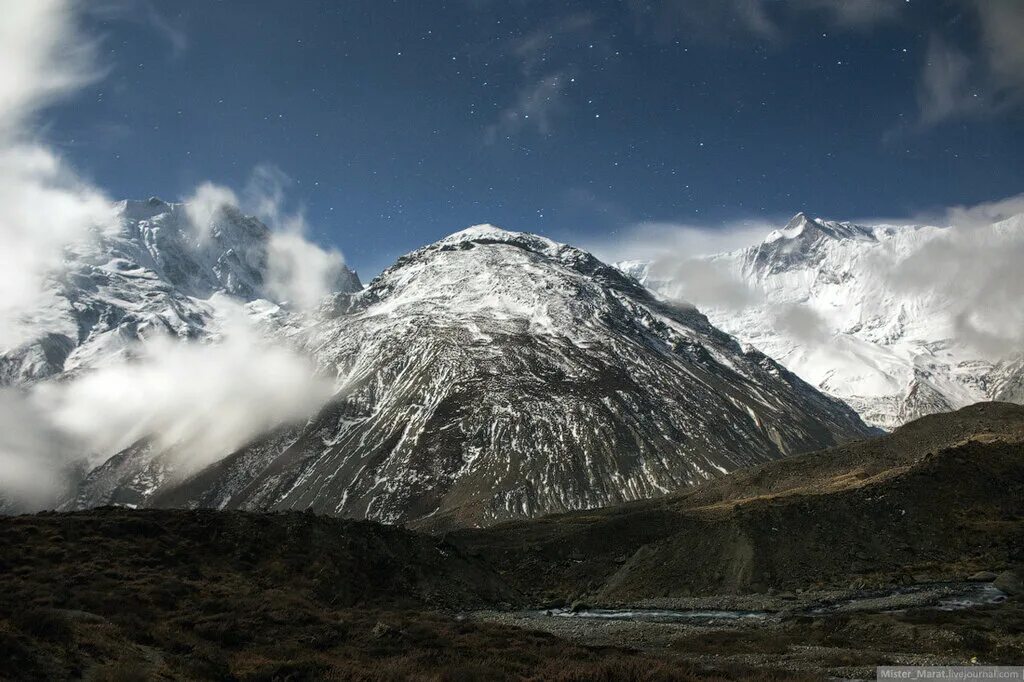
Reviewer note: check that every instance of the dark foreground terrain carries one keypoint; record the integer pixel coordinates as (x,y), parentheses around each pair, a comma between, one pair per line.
(825,564)
(115,594)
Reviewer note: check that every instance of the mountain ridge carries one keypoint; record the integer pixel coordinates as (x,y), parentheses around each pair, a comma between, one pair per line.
(495,374)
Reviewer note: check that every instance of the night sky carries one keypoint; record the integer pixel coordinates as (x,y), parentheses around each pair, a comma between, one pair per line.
(403,121)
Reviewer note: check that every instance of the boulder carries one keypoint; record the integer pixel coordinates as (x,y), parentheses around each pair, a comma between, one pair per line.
(1009,582)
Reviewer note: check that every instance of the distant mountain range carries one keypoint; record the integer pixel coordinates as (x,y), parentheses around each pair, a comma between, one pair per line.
(815,296)
(490,375)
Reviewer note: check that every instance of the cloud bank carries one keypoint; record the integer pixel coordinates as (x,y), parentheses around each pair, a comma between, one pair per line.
(238,387)
(973,267)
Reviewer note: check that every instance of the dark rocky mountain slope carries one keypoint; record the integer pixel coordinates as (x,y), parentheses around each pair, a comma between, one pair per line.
(938,499)
(497,375)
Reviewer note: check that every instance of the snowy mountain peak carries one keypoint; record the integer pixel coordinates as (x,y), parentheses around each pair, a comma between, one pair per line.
(487,233)
(493,261)
(484,231)
(823,297)
(804,228)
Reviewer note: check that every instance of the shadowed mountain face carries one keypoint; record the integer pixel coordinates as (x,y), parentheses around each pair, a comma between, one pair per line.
(938,499)
(496,375)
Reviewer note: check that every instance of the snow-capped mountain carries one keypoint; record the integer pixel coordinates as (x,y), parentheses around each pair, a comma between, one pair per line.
(154,272)
(495,375)
(819,296)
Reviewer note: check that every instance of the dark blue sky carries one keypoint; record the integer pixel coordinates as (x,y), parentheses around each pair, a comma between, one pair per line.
(403,121)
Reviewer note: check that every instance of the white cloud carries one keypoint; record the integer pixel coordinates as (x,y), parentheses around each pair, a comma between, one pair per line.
(34,457)
(299,271)
(977,268)
(973,265)
(205,203)
(702,283)
(196,401)
(801,322)
(653,241)
(44,57)
(44,205)
(675,253)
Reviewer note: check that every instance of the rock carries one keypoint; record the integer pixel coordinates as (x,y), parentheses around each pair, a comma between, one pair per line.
(787,595)
(982,577)
(383,630)
(1009,582)
(578,606)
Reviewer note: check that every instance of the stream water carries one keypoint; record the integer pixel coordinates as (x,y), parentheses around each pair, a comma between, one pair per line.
(945,597)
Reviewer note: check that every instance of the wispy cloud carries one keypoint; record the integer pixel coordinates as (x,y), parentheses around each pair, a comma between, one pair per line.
(652,241)
(987,79)
(947,87)
(667,20)
(765,20)
(853,14)
(173,30)
(45,56)
(546,74)
(166,21)
(535,108)
(299,271)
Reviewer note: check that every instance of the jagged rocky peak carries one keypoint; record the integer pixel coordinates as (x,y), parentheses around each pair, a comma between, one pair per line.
(803,240)
(803,227)
(225,251)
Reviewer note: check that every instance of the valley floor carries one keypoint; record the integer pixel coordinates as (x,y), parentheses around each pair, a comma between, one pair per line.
(114,594)
(799,635)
